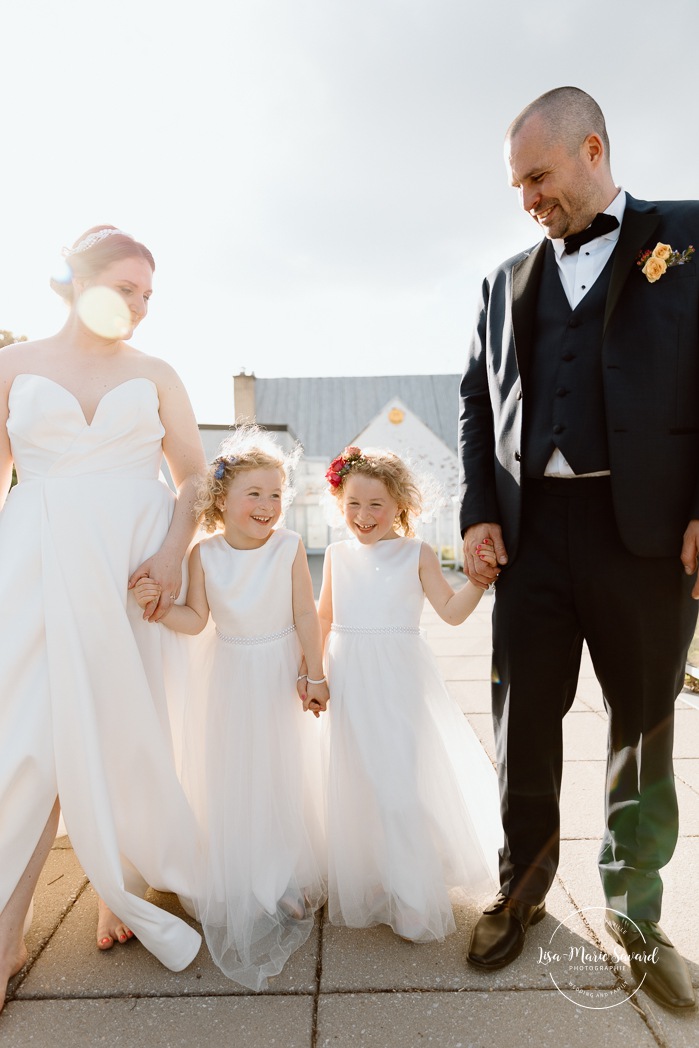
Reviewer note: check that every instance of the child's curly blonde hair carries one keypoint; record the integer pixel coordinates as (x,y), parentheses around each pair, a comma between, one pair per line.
(249,447)
(387,467)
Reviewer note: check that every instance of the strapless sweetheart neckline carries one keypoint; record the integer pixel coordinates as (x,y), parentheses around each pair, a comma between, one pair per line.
(58,385)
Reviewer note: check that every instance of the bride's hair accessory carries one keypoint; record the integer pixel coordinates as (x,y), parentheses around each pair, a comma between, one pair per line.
(94,238)
(340,467)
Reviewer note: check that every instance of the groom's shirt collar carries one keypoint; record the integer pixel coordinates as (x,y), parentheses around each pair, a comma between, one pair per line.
(616,208)
(579,271)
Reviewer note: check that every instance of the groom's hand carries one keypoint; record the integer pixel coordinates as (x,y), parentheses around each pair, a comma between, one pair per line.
(478,572)
(690,553)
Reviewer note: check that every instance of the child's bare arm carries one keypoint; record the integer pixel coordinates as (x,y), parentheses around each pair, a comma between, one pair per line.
(309,634)
(325,603)
(190,617)
(452,606)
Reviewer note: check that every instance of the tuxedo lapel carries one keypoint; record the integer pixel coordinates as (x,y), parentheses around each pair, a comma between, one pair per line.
(526,277)
(636,228)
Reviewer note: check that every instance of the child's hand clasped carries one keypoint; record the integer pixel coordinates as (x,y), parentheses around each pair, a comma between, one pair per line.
(317,696)
(485,551)
(146,591)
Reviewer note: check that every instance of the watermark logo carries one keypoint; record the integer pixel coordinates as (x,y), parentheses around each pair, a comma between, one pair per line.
(586,975)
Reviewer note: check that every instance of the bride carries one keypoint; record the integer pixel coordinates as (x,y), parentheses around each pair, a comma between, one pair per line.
(86,419)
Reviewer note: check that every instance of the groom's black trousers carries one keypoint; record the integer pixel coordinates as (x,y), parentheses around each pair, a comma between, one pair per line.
(572,580)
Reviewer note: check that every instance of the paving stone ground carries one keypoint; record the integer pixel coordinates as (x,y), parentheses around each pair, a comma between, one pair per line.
(368,989)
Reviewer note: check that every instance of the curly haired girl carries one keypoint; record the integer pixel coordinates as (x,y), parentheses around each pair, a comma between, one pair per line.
(412,797)
(250,752)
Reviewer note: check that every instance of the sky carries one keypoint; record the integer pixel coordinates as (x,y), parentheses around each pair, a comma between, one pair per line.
(321,182)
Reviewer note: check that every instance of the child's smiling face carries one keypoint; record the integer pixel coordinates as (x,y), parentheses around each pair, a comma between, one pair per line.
(252,506)
(368,509)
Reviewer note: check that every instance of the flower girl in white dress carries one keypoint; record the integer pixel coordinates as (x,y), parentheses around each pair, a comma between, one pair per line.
(250,762)
(412,797)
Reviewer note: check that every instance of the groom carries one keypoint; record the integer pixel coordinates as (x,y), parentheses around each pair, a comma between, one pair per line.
(580,452)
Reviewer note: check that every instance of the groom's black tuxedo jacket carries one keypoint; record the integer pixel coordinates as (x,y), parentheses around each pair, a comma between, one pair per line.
(650,365)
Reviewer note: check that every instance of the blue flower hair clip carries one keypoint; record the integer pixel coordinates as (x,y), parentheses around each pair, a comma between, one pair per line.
(221,464)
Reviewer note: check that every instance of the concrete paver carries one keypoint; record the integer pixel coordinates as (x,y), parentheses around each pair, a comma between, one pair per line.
(582,798)
(584,737)
(163,1022)
(589,693)
(469,667)
(473,696)
(474,1020)
(686,732)
(687,771)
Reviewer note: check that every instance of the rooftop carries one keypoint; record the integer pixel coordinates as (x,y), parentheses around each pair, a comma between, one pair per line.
(327,413)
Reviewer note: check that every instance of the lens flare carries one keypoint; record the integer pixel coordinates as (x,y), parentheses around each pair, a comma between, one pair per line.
(104,312)
(62,273)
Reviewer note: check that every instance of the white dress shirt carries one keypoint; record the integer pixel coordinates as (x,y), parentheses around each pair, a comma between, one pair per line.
(578,272)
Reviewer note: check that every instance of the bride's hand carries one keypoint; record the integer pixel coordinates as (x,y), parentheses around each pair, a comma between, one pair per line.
(166,573)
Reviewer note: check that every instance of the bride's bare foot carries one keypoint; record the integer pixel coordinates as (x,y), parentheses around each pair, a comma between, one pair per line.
(11,962)
(109,928)
(15,917)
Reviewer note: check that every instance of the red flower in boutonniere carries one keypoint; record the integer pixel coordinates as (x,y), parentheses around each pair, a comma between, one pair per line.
(654,263)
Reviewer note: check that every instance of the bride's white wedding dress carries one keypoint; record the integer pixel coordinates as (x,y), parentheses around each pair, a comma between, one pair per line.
(83,706)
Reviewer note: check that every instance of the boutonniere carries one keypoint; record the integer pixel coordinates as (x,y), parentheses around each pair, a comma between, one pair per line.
(654,263)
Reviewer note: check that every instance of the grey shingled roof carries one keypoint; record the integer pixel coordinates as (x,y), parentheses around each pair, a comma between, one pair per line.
(328,413)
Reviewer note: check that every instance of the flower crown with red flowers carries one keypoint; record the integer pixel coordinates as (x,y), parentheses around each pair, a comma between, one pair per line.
(340,467)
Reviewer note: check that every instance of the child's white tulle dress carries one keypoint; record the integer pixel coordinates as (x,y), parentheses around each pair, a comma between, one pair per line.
(251,765)
(412,798)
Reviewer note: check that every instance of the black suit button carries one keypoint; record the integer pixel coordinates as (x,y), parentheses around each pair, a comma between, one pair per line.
(518,457)
(568,356)
(519,395)
(558,428)
(573,322)
(561,391)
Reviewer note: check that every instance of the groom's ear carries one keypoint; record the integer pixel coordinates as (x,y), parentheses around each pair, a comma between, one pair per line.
(593,150)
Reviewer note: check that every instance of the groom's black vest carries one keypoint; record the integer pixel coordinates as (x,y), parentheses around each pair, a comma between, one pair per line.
(564,403)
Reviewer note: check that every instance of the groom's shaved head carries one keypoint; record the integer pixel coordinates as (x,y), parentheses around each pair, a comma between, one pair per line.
(569,114)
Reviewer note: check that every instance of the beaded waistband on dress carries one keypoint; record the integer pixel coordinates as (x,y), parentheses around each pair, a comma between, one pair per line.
(338,628)
(265,638)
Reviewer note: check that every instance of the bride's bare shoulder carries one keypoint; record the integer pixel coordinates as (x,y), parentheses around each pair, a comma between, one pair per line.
(156,369)
(21,357)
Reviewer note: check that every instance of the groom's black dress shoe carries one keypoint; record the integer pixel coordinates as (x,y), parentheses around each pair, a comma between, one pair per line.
(499,934)
(655,962)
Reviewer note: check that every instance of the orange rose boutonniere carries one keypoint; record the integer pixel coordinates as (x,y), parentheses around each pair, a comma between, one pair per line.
(654,263)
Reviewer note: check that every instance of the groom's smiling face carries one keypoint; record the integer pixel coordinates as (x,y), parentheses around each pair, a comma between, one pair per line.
(555,180)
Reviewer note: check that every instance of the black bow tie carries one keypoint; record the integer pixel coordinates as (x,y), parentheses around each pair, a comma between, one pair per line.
(601,224)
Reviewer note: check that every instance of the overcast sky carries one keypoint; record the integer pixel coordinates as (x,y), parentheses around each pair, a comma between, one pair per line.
(321,181)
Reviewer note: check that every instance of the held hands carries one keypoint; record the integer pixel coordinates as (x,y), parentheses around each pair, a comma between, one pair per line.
(165,572)
(313,696)
(484,552)
(146,592)
(316,700)
(690,553)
